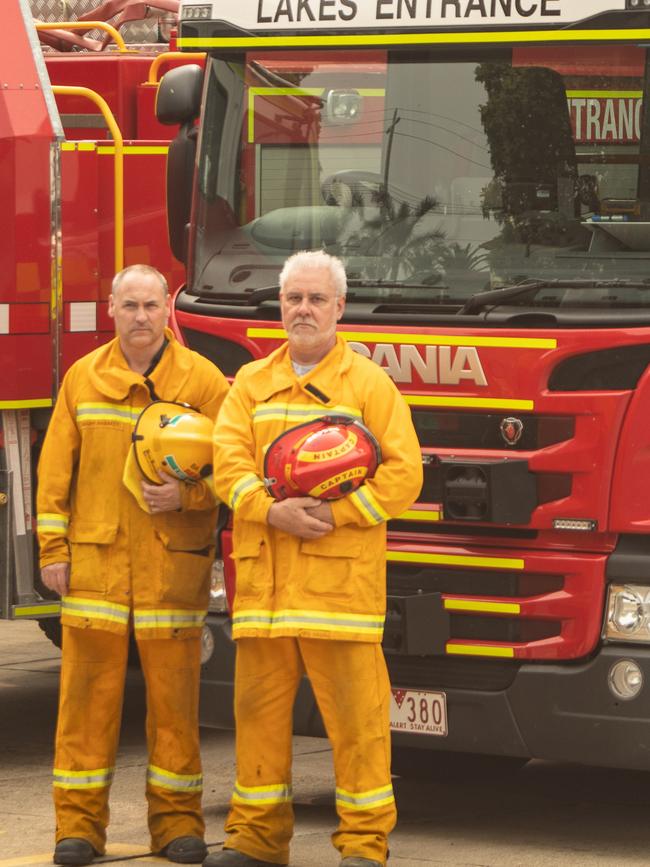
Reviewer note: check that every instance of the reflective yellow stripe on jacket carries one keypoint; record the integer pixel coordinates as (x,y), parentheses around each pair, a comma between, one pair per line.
(118,412)
(50,522)
(297,413)
(167,618)
(247,483)
(295,622)
(367,504)
(95,610)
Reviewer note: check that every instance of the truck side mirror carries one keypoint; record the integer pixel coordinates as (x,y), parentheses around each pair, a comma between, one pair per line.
(179,101)
(179,95)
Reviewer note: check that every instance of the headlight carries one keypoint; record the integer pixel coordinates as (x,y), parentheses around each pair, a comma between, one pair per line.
(628,613)
(218,600)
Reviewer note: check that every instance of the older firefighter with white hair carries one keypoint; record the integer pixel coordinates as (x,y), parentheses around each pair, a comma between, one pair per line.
(310,555)
(125,563)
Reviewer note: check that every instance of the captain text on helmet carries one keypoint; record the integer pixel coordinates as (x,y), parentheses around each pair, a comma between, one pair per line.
(310,594)
(120,564)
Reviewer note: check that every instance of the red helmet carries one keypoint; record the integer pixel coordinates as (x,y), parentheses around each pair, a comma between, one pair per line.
(325,458)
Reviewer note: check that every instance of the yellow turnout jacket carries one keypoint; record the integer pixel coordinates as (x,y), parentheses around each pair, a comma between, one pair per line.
(124,562)
(333,587)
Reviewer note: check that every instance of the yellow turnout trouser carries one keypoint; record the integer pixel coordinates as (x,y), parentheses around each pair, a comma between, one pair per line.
(351,686)
(90,710)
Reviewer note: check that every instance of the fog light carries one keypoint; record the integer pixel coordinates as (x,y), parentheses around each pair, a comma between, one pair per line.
(218,601)
(625,679)
(207,644)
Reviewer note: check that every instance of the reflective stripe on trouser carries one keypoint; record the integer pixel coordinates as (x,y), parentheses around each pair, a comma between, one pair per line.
(90,709)
(351,685)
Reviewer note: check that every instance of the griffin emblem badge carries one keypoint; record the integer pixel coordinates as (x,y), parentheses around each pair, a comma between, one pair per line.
(511,430)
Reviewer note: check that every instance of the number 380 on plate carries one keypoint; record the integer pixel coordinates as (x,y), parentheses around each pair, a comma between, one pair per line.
(418,712)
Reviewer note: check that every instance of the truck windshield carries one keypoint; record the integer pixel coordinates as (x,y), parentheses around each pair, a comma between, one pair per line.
(434,177)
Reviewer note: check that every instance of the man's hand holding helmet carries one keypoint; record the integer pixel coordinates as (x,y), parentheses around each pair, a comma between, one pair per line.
(165,497)
(302,516)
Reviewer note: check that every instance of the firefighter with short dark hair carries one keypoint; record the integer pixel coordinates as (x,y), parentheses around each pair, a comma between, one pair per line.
(311,587)
(123,563)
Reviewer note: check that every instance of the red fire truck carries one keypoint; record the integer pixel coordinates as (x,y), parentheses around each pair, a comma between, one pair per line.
(483,169)
(82,174)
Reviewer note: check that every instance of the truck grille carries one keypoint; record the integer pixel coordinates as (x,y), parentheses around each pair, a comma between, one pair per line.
(491,604)
(473,430)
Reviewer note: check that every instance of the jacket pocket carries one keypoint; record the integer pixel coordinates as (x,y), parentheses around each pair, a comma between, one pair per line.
(254,570)
(187,556)
(90,554)
(330,565)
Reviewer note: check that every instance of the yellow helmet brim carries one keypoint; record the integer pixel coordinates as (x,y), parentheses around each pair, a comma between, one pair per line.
(132,478)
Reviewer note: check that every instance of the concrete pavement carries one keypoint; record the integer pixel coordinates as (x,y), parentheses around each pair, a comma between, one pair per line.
(543,816)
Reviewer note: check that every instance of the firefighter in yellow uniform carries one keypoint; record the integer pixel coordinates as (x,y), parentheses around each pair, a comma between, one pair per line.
(311,589)
(119,568)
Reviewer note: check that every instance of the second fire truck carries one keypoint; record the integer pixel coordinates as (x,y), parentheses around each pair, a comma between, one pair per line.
(82,175)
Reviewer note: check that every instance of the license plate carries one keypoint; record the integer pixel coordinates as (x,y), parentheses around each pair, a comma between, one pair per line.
(416,712)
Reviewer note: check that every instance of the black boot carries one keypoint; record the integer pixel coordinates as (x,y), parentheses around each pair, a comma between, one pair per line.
(185,850)
(234,858)
(74,850)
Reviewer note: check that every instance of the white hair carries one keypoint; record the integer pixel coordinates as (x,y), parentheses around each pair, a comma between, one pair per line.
(144,271)
(313,259)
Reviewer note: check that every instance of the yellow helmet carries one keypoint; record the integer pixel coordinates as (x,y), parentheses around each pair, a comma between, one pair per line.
(171,438)
(175,439)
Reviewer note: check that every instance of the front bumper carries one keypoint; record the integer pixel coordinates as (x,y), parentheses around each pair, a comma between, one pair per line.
(558,712)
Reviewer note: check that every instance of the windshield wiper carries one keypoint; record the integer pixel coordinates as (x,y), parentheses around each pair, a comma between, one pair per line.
(363,283)
(264,293)
(495,297)
(271,293)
